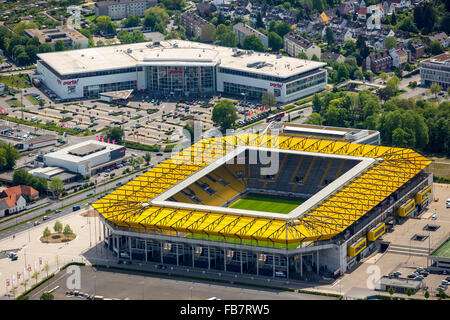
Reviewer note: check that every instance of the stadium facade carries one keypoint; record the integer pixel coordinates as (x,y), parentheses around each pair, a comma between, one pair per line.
(177,68)
(178,212)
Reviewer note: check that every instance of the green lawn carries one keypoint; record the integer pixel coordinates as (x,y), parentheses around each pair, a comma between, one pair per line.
(443,250)
(17,80)
(266,203)
(32,99)
(16,102)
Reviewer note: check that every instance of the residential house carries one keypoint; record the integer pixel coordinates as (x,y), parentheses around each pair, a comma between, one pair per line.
(402,36)
(197,26)
(399,57)
(401,4)
(15,199)
(294,44)
(442,38)
(380,61)
(205,9)
(417,49)
(332,56)
(347,7)
(242,30)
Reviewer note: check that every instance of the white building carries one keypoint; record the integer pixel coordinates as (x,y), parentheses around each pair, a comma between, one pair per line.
(86,157)
(120,9)
(294,44)
(177,68)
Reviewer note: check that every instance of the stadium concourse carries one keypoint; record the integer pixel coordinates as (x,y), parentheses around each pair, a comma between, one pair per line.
(183,211)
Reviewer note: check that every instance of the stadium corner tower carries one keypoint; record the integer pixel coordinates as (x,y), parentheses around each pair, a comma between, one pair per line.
(342,197)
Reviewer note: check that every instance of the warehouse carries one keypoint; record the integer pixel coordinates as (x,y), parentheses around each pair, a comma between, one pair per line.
(177,68)
(85,157)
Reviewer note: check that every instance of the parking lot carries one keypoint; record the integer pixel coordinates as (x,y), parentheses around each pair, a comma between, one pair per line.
(121,285)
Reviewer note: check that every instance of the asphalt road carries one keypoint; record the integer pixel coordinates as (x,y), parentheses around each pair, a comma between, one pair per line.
(99,191)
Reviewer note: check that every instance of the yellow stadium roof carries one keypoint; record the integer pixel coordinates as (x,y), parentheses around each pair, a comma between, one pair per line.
(130,207)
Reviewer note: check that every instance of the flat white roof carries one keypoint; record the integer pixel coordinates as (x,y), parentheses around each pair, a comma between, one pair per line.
(172,52)
(319,131)
(64,154)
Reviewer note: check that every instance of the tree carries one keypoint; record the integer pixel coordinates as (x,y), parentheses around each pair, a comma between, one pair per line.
(268,99)
(342,74)
(252,42)
(408,292)
(58,227)
(426,294)
(315,118)
(35,275)
(275,41)
(47,296)
(9,154)
(25,284)
(435,89)
(408,25)
(228,38)
(105,25)
(47,233)
(67,230)
(390,42)
(56,186)
(156,18)
(147,158)
(329,36)
(59,45)
(131,21)
(302,55)
(436,47)
(391,291)
(46,268)
(384,76)
(115,133)
(259,23)
(224,114)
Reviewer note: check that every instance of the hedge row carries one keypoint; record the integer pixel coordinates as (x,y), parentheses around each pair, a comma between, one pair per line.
(24,296)
(140,146)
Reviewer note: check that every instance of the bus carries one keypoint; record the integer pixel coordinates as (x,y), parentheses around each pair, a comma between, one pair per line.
(275,117)
(376,232)
(357,247)
(423,195)
(406,208)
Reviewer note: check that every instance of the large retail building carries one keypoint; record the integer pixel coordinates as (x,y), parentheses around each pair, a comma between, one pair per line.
(177,68)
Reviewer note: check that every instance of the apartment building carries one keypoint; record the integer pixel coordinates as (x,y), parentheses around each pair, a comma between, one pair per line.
(120,9)
(295,44)
(197,26)
(242,30)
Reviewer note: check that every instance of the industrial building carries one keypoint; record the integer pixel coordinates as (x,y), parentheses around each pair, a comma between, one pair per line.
(177,68)
(86,158)
(180,211)
(36,142)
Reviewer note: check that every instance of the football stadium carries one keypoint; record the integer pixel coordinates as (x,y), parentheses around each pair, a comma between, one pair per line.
(266,205)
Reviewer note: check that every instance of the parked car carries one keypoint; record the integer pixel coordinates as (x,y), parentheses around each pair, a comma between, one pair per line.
(45,217)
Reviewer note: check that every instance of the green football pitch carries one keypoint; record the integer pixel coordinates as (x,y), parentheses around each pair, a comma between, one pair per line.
(443,250)
(259,202)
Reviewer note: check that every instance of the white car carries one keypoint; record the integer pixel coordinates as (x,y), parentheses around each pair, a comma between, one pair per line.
(448,203)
